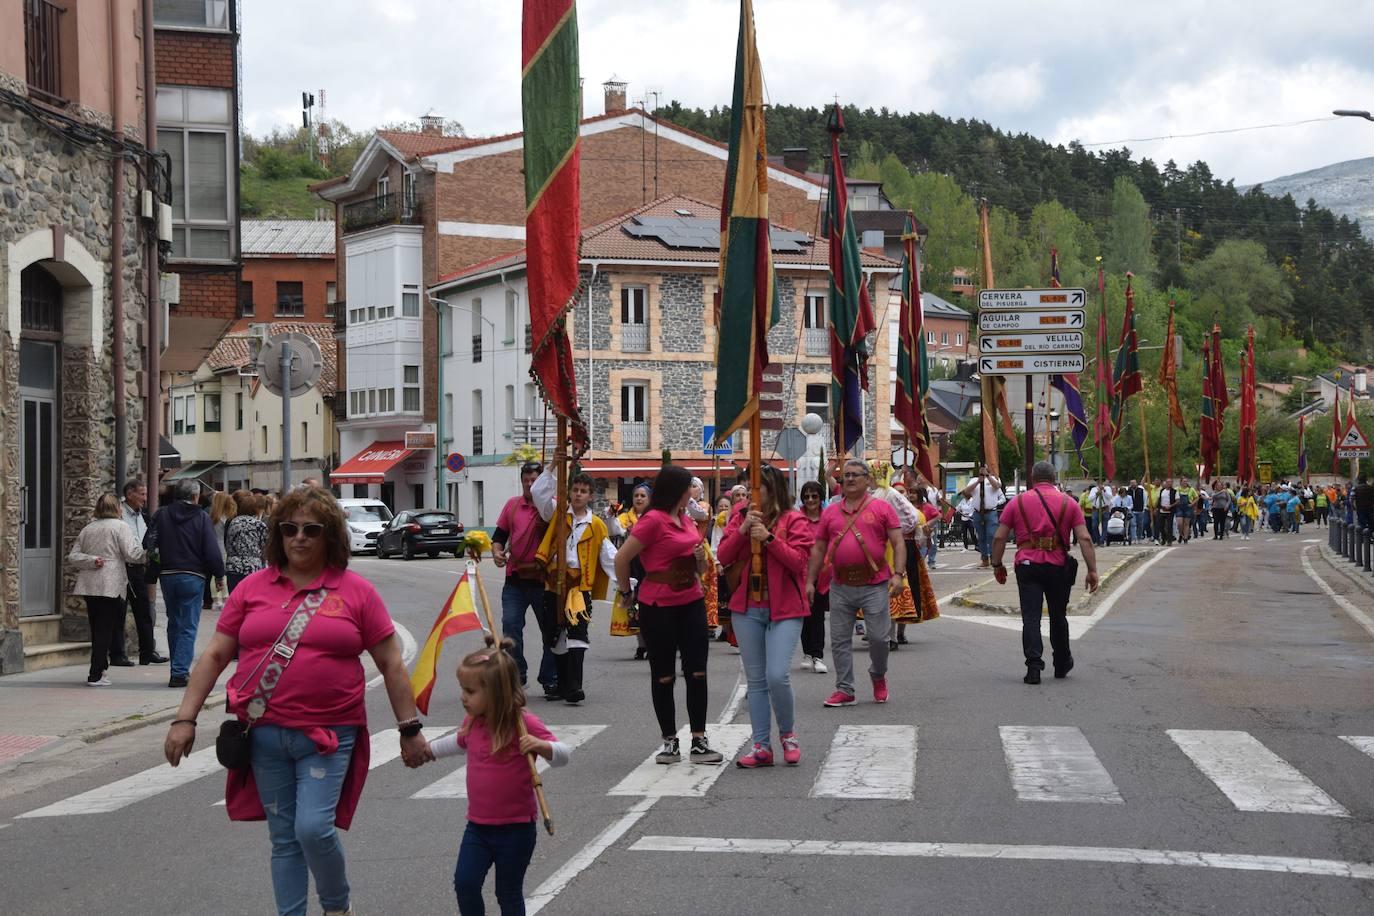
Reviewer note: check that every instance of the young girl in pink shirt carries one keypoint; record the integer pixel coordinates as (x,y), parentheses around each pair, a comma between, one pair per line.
(501,805)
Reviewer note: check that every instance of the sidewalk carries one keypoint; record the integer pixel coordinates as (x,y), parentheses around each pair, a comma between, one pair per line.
(1113,562)
(48,708)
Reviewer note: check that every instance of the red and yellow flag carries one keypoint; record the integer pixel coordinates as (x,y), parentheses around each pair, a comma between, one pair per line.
(552,109)
(1168,374)
(458,615)
(913,370)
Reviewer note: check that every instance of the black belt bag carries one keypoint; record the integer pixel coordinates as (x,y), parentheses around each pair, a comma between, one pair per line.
(233,745)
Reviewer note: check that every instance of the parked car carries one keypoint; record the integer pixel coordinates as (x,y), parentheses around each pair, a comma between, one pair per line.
(367,518)
(427,531)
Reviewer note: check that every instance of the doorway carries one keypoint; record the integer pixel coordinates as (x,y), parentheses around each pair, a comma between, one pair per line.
(38,483)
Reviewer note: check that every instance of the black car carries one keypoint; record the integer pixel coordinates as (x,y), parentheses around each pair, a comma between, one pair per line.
(427,531)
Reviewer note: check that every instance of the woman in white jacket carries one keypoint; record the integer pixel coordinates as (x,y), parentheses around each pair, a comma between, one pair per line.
(102,550)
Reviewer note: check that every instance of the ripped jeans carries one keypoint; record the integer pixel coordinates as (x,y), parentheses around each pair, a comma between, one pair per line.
(299,789)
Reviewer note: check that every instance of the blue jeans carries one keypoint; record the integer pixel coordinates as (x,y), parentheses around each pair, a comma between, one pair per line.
(932,545)
(516,596)
(1142,525)
(766,647)
(986,524)
(299,788)
(1099,526)
(1245,524)
(509,847)
(182,593)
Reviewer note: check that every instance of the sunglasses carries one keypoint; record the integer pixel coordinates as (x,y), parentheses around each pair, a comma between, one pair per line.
(309,529)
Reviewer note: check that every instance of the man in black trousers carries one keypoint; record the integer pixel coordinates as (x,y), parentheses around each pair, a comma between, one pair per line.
(136,517)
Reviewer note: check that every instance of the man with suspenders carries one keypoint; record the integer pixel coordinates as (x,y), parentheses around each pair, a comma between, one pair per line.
(519,531)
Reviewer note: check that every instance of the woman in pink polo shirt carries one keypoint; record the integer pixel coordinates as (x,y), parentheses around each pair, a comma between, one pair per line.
(315,721)
(672,608)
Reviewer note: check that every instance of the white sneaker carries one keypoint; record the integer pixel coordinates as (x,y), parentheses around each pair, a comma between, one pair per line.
(808,663)
(103,682)
(818,666)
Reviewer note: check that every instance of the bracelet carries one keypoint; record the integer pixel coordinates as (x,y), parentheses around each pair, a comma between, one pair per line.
(190,722)
(409,729)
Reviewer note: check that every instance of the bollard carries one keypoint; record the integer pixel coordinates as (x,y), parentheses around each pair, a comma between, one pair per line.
(1332,532)
(1368,546)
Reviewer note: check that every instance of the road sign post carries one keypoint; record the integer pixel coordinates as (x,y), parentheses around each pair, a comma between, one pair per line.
(1023,299)
(1030,363)
(1031,342)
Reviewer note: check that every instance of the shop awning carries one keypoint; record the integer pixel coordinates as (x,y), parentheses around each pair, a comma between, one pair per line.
(168,456)
(371,464)
(194,470)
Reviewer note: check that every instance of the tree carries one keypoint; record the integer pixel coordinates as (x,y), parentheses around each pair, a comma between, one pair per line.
(1127,239)
(950,216)
(966,444)
(1243,283)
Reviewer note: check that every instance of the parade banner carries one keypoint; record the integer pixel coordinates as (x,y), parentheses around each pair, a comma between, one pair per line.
(1168,375)
(1126,373)
(1105,392)
(748,304)
(1211,436)
(1245,470)
(913,369)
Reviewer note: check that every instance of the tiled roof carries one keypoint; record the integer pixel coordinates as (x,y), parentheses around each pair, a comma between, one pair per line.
(410,144)
(287,236)
(232,351)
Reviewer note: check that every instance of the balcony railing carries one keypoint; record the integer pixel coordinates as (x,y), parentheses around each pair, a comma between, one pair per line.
(380,211)
(528,431)
(477,440)
(634,338)
(634,437)
(529,339)
(816,341)
(43,50)
(476,348)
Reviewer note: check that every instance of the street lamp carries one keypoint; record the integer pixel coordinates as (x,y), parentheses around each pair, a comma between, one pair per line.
(1352,113)
(439,411)
(1054,429)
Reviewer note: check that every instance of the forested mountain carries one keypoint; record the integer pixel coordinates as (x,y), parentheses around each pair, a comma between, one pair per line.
(1345,187)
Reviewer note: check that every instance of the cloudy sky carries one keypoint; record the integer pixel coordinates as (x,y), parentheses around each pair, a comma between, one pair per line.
(1097,72)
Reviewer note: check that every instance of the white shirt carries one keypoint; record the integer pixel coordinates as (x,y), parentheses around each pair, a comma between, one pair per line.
(907,515)
(542,495)
(137,524)
(985,495)
(1099,497)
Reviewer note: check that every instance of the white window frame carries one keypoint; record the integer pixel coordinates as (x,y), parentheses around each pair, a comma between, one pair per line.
(410,301)
(634,299)
(634,399)
(410,391)
(813,311)
(215,19)
(383,186)
(178,96)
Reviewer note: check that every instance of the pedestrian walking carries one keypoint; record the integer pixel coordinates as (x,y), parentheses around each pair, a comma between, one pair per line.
(850,544)
(519,531)
(769,613)
(813,627)
(502,809)
(672,609)
(619,526)
(1042,520)
(1293,512)
(102,552)
(188,557)
(588,565)
(1248,510)
(298,628)
(1167,503)
(1322,502)
(985,491)
(245,539)
(1363,499)
(1140,511)
(1186,506)
(134,510)
(1221,507)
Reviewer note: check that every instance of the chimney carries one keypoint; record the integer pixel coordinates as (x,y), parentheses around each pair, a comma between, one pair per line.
(1361,380)
(795,158)
(615,95)
(432,125)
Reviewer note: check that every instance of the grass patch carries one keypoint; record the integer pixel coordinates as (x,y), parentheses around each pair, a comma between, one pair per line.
(277,198)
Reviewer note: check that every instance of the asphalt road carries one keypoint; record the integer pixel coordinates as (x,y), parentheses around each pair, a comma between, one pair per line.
(1194,761)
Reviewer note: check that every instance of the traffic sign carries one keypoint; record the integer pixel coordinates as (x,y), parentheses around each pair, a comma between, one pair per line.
(1032,298)
(1030,363)
(1032,320)
(456,462)
(709,446)
(1354,444)
(1064,342)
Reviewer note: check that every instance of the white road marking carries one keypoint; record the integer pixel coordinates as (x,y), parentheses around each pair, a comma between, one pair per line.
(1362,742)
(1355,613)
(1251,775)
(1311,540)
(140,786)
(386,745)
(869,761)
(408,649)
(1240,548)
(1111,855)
(727,715)
(1056,764)
(455,784)
(685,779)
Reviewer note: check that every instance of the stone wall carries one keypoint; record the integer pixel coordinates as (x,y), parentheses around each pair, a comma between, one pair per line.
(47,182)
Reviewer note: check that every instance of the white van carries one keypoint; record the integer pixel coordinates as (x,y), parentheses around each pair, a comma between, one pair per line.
(366,519)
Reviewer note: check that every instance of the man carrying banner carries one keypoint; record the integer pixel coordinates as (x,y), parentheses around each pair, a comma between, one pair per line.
(589,565)
(521,527)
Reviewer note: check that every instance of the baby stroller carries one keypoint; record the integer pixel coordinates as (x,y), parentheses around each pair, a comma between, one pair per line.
(1119,525)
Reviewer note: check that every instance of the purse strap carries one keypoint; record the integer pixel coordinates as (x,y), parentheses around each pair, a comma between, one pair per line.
(1063,505)
(275,662)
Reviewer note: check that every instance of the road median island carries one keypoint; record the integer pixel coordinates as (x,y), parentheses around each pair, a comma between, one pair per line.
(991,598)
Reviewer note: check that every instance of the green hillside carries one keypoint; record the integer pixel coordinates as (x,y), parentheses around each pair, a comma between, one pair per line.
(276,198)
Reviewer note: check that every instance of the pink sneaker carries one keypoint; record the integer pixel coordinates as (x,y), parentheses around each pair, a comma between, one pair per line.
(880,690)
(840,698)
(760,756)
(791,749)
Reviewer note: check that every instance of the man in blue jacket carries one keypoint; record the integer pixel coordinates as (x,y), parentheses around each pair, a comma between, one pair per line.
(187,555)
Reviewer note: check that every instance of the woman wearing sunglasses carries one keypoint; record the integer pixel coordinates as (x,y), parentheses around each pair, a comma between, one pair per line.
(309,748)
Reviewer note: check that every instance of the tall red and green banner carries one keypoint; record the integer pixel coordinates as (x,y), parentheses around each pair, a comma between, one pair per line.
(1247,467)
(1126,373)
(1337,425)
(552,111)
(1105,392)
(913,367)
(748,304)
(1067,384)
(1302,448)
(1168,376)
(851,315)
(1210,431)
(1221,399)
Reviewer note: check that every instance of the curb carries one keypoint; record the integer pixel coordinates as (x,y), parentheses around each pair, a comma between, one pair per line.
(128,724)
(1347,570)
(1075,609)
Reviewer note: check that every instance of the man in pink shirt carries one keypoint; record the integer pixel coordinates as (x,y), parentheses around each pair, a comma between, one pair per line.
(851,541)
(519,530)
(1042,518)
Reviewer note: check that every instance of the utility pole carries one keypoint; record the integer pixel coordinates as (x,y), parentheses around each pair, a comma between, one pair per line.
(1178,236)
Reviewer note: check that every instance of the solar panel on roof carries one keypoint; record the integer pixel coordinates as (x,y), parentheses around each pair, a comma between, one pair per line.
(704,234)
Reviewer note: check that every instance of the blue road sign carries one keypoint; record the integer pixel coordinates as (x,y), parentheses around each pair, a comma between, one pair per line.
(725,449)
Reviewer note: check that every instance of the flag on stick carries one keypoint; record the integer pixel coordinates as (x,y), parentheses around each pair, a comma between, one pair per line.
(1067,385)
(552,109)
(993,388)
(1247,469)
(1302,447)
(1337,425)
(851,315)
(458,615)
(748,304)
(913,370)
(1211,437)
(1105,391)
(1221,399)
(1126,372)
(1168,375)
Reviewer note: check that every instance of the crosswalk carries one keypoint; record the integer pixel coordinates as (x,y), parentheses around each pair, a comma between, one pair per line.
(1041,764)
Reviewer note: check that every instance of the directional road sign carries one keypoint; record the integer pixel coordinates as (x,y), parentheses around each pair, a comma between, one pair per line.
(1063,342)
(1032,298)
(1031,320)
(1029,363)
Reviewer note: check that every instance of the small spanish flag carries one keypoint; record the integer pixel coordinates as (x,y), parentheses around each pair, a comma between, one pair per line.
(458,615)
